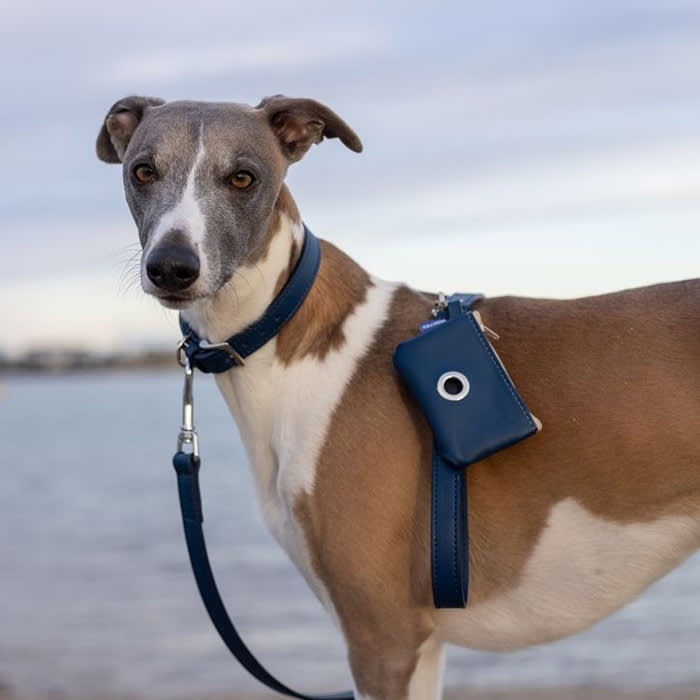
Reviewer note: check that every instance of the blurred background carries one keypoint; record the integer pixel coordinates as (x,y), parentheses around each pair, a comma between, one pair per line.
(542,148)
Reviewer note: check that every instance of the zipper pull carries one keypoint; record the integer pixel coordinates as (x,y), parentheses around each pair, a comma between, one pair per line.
(440,304)
(484,328)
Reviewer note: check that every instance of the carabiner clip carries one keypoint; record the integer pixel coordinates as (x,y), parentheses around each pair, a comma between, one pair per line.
(187,434)
(180,353)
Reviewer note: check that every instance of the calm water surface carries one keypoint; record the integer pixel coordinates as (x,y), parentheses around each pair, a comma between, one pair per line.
(97,594)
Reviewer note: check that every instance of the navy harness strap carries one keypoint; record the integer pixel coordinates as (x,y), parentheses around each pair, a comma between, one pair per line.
(187,468)
(222,358)
(482,414)
(449,536)
(449,527)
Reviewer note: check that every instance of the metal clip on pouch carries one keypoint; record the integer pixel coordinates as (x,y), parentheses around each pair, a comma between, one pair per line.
(473,410)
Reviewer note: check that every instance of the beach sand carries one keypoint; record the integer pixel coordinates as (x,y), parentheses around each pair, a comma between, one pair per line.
(575,694)
(583,693)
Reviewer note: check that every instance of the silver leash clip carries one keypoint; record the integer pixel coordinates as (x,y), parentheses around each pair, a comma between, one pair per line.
(180,353)
(187,434)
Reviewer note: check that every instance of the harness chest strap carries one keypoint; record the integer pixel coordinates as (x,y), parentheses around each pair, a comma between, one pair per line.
(451,348)
(473,410)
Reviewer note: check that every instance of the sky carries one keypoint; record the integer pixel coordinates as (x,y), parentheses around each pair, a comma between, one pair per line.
(548,148)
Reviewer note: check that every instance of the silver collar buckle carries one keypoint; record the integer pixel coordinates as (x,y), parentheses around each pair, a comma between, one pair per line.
(206,345)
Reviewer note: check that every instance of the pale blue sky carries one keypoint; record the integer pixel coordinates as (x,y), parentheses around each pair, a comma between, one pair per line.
(545,148)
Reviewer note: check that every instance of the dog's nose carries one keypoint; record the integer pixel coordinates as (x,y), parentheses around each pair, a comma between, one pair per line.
(172,267)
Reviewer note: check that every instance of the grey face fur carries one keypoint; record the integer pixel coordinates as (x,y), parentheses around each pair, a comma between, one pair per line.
(196,228)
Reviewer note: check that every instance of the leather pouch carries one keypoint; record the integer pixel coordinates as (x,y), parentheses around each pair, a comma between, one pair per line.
(466,395)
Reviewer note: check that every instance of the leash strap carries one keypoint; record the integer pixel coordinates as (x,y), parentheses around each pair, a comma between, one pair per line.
(195,352)
(187,469)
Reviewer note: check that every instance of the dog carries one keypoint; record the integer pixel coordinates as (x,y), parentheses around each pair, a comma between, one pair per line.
(565,528)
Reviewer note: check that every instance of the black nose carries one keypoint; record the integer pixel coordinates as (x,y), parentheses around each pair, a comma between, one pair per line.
(172,267)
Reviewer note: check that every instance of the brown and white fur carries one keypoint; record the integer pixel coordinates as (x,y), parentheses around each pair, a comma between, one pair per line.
(564,528)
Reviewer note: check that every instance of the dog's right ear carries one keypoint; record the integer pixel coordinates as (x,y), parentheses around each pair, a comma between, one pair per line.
(299,123)
(119,126)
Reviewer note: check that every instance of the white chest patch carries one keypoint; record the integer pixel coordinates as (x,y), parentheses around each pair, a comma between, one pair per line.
(582,569)
(283,413)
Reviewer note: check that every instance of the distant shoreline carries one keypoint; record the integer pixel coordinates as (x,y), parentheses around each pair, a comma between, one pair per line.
(80,361)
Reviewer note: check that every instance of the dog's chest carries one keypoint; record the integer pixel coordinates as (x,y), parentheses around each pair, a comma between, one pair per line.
(283,412)
(280,441)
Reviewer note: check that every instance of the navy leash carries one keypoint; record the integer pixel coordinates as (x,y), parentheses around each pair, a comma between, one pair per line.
(194,351)
(187,468)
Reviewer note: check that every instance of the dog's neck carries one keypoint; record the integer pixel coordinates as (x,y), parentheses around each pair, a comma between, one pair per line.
(244,298)
(317,327)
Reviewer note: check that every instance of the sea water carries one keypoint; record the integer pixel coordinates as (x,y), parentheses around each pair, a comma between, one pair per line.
(96,595)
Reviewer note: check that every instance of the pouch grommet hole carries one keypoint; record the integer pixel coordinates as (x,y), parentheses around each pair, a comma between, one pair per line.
(453,386)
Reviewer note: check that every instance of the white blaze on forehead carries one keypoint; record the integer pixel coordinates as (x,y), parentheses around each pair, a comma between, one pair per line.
(186,216)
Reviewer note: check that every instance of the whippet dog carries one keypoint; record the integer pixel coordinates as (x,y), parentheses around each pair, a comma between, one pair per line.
(565,527)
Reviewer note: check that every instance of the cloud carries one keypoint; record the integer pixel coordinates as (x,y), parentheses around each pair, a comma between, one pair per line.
(288,54)
(487,128)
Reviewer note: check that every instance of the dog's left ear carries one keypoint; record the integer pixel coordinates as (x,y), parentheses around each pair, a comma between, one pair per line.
(119,126)
(298,123)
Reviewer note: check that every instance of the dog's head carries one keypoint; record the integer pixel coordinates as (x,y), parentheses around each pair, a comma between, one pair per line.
(201,180)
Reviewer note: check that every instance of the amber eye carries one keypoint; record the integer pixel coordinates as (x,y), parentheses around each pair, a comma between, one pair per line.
(144,173)
(241,180)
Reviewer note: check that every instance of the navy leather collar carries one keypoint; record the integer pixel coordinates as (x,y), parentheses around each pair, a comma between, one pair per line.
(220,357)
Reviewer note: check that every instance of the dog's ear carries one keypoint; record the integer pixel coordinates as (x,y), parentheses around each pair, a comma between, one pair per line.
(119,126)
(299,123)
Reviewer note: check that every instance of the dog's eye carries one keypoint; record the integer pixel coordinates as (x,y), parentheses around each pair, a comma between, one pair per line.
(144,173)
(241,180)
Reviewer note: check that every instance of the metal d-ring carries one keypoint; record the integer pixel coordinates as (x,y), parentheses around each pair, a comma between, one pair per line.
(457,377)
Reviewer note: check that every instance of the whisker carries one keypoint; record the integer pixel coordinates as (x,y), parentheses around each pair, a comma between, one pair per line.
(127,253)
(130,276)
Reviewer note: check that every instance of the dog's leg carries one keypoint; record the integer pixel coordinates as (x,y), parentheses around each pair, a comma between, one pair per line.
(426,681)
(386,670)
